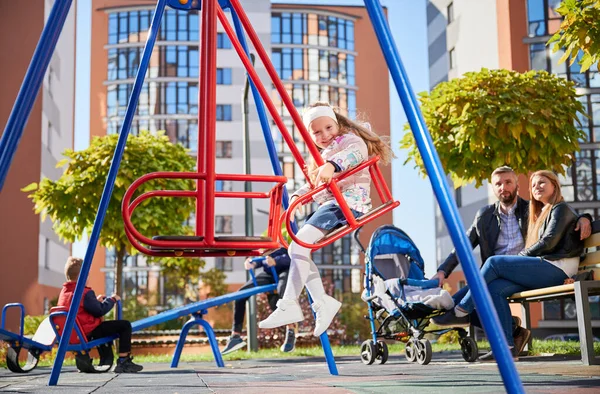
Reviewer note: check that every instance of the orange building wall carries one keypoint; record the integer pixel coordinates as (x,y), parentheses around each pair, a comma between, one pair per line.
(19,225)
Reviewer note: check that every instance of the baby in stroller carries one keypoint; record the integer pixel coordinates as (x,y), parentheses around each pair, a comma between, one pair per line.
(401,301)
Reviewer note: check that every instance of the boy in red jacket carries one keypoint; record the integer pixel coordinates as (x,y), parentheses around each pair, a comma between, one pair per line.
(91,310)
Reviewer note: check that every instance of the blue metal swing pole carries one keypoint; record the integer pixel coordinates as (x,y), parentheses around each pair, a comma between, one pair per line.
(483,302)
(31,85)
(108,189)
(264,121)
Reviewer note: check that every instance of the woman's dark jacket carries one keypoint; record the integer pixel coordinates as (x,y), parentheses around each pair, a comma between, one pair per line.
(558,238)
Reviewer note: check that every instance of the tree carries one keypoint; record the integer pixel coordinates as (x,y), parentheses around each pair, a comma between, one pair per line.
(72,201)
(579,32)
(491,118)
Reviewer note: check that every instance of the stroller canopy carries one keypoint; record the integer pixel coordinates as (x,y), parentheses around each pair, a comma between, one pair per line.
(389,239)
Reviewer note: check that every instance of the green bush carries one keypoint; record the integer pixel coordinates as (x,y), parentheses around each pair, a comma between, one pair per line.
(32,323)
(352,317)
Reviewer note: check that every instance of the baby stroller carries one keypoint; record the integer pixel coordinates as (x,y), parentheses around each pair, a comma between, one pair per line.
(401,301)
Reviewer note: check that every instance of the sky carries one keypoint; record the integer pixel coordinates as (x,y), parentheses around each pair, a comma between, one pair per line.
(409,28)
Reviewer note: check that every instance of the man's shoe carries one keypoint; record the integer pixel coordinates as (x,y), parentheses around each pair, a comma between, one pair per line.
(521,337)
(289,344)
(325,309)
(234,343)
(126,365)
(450,319)
(287,312)
(489,356)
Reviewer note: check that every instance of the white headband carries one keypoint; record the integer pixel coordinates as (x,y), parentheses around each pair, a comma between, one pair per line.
(316,112)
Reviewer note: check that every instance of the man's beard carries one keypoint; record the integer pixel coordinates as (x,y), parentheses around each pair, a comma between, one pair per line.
(508,199)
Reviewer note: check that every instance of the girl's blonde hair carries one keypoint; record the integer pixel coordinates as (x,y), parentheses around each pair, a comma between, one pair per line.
(377,145)
(537,215)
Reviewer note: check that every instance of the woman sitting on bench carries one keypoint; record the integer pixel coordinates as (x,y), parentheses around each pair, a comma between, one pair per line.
(551,255)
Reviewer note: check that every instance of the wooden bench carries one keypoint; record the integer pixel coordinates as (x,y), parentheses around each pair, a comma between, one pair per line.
(580,291)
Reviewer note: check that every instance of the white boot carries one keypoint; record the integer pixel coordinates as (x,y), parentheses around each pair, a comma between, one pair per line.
(325,309)
(287,312)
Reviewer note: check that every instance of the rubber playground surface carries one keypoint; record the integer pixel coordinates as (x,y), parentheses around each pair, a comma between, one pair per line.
(447,373)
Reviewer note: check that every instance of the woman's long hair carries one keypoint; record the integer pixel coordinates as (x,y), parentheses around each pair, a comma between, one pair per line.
(537,215)
(377,145)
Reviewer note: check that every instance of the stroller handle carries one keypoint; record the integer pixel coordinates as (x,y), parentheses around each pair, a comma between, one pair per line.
(356,233)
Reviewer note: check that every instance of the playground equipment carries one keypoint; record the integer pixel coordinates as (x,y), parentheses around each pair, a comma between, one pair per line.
(51,330)
(46,335)
(207,243)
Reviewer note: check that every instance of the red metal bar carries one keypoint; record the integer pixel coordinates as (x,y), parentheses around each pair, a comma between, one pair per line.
(136,237)
(353,223)
(201,158)
(266,96)
(242,195)
(377,185)
(384,185)
(277,82)
(343,204)
(207,110)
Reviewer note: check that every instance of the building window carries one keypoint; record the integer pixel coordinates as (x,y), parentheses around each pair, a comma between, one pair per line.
(458,196)
(461,284)
(224,263)
(223,224)
(450,11)
(223,41)
(223,76)
(49,137)
(224,112)
(133,26)
(47,254)
(452,58)
(224,149)
(312,29)
(543,20)
(50,80)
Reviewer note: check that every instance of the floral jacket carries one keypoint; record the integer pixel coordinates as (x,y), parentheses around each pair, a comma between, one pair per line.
(346,151)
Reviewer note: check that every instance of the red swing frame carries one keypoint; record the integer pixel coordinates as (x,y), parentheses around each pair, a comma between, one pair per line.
(204,242)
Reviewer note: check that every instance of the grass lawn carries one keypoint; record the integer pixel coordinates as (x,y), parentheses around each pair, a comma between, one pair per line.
(539,348)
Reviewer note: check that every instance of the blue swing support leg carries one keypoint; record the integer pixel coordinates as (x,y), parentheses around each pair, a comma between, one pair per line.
(108,189)
(483,301)
(197,319)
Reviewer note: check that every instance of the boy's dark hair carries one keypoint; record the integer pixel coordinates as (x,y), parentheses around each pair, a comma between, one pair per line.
(73,267)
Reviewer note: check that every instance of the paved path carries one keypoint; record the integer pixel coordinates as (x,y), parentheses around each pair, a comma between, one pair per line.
(447,373)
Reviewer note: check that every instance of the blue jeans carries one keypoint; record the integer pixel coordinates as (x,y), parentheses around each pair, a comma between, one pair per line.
(506,275)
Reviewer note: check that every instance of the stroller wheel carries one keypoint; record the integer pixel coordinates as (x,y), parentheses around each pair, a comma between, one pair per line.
(469,349)
(424,351)
(368,352)
(382,352)
(410,351)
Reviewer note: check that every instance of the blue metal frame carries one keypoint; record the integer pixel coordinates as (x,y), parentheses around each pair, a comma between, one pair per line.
(7,307)
(197,319)
(483,302)
(108,188)
(31,85)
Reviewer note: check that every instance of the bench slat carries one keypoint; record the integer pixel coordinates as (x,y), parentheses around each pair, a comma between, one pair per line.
(593,240)
(544,291)
(591,258)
